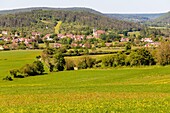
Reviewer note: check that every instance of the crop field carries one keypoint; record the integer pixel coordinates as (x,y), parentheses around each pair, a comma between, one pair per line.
(15,59)
(137,33)
(116,90)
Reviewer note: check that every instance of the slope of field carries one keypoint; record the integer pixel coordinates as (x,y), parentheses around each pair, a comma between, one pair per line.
(138,90)
(15,59)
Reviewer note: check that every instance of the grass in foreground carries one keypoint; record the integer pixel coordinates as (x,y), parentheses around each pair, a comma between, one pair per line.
(138,90)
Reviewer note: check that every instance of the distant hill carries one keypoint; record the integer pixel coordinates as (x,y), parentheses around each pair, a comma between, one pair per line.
(48,8)
(135,17)
(163,20)
(74,20)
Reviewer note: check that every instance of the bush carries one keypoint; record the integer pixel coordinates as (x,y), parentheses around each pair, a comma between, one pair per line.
(86,62)
(14,72)
(108,61)
(98,63)
(62,50)
(59,62)
(39,67)
(127,47)
(36,68)
(163,53)
(120,59)
(8,78)
(141,57)
(69,65)
(51,67)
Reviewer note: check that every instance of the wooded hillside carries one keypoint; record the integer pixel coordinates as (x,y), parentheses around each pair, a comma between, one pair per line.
(73,21)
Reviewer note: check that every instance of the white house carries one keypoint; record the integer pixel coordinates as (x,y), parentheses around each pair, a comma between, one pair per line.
(1,48)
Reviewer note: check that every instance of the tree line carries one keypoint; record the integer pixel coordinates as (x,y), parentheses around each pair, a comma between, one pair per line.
(56,62)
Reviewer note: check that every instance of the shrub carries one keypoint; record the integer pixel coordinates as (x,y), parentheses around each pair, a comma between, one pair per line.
(127,47)
(51,67)
(59,62)
(120,59)
(36,68)
(108,61)
(62,50)
(14,72)
(39,67)
(28,69)
(141,57)
(86,62)
(163,53)
(69,65)
(8,78)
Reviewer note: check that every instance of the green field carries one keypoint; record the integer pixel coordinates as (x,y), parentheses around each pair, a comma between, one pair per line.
(159,28)
(137,33)
(117,90)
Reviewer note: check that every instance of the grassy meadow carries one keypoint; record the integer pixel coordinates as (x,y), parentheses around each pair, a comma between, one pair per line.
(116,90)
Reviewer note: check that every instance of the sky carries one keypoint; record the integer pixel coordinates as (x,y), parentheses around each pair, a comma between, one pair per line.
(104,6)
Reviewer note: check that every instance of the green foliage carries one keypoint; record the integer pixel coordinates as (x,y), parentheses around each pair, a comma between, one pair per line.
(108,61)
(36,68)
(51,67)
(8,78)
(35,45)
(69,65)
(86,51)
(163,20)
(62,49)
(120,59)
(86,62)
(22,46)
(128,47)
(76,22)
(39,67)
(150,32)
(136,58)
(14,72)
(140,57)
(59,61)
(46,43)
(163,53)
(49,51)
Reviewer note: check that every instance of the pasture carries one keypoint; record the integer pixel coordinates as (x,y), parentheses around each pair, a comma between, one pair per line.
(126,90)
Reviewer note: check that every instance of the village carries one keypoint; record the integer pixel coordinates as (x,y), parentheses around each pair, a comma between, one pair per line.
(12,42)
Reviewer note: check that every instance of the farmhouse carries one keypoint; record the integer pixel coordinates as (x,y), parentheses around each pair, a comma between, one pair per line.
(124,39)
(1,48)
(108,44)
(153,44)
(97,33)
(36,33)
(147,40)
(57,45)
(47,37)
(4,32)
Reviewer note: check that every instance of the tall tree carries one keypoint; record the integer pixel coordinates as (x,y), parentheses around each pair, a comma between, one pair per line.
(163,53)
(59,61)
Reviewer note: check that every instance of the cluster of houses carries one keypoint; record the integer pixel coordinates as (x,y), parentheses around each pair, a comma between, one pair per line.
(96,34)
(16,39)
(149,42)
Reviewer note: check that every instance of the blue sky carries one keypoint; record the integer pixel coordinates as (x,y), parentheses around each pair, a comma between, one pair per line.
(105,6)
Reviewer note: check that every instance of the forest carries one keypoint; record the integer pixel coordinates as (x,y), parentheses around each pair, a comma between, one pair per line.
(73,21)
